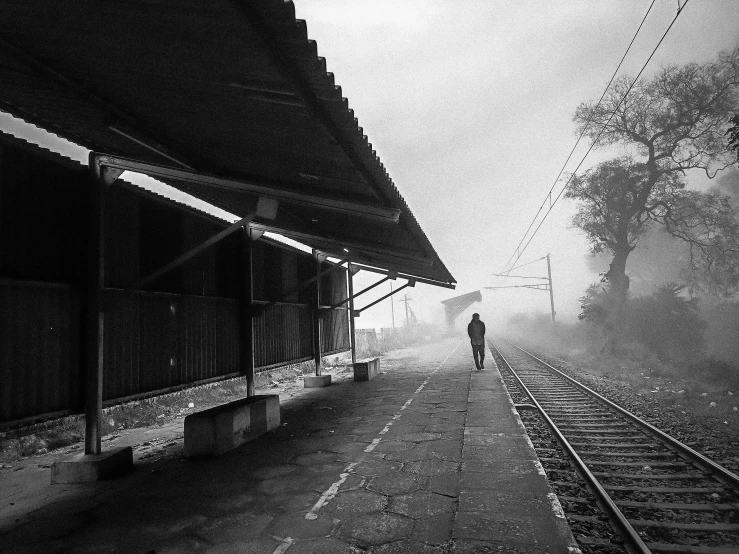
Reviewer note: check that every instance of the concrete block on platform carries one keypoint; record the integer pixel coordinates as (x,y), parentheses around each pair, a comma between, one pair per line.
(364,370)
(316,381)
(222,428)
(83,468)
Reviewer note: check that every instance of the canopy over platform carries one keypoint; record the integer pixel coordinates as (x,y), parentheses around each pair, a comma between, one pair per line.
(225,100)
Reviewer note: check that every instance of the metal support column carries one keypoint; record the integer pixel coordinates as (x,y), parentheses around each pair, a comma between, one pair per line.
(94,316)
(392,306)
(352,330)
(317,316)
(246,321)
(551,291)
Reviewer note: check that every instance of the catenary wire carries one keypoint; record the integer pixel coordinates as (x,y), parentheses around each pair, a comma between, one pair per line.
(527,263)
(592,145)
(587,124)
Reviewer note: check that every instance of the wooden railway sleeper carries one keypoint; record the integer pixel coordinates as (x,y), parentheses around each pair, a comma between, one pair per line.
(603,432)
(657,476)
(583,420)
(662,505)
(665,490)
(692,527)
(675,465)
(579,413)
(618,445)
(630,454)
(596,425)
(685,549)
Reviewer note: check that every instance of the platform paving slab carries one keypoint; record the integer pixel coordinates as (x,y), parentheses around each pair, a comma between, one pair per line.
(403,463)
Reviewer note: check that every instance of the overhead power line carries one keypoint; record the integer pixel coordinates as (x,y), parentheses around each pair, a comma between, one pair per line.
(603,128)
(527,263)
(518,252)
(579,138)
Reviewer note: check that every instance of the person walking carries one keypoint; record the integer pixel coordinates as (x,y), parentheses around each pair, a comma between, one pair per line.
(476,331)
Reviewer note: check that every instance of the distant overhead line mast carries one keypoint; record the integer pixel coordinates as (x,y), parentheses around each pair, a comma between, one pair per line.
(546,285)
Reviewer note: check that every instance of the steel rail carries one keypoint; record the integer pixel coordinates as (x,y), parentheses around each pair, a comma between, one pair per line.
(724,475)
(635,544)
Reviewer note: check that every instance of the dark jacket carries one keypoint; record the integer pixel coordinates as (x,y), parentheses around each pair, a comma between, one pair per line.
(476,331)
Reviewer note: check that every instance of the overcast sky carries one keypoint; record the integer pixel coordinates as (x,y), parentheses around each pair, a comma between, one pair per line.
(469,104)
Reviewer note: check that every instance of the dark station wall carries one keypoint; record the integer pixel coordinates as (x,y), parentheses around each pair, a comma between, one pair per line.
(181,329)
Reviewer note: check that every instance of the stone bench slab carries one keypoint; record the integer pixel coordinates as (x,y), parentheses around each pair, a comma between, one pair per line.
(222,428)
(316,381)
(364,370)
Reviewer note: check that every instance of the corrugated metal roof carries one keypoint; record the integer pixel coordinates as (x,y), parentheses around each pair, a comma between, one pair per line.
(228,88)
(69,163)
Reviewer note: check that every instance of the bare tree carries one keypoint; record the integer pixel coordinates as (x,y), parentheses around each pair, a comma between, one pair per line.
(618,204)
(674,122)
(733,134)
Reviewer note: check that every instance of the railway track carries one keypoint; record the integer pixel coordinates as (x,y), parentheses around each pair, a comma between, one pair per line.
(657,494)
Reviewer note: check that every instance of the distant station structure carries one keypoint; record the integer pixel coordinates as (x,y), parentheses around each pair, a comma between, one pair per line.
(453,307)
(109,292)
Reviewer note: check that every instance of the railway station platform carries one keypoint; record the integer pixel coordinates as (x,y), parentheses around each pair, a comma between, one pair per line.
(428,457)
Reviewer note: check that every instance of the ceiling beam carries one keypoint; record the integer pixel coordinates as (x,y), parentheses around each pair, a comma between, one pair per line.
(405,276)
(388,215)
(348,246)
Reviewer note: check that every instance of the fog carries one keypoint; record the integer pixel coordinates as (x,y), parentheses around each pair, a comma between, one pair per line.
(469,106)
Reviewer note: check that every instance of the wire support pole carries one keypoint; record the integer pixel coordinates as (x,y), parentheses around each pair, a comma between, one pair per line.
(523,265)
(520,276)
(551,291)
(352,323)
(537,286)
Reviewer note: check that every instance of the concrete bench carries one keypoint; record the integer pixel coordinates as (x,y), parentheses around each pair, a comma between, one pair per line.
(364,370)
(223,428)
(316,381)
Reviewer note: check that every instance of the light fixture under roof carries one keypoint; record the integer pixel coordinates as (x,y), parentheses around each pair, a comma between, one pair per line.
(270,94)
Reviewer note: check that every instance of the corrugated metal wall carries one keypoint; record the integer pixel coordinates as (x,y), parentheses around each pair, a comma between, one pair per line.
(335,330)
(183,330)
(39,348)
(155,341)
(282,334)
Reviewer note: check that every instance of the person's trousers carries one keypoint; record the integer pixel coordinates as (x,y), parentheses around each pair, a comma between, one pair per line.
(478,351)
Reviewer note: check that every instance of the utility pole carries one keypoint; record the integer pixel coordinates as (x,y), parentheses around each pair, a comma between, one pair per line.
(551,291)
(405,300)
